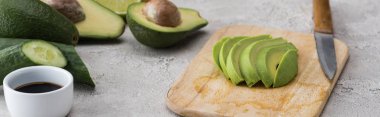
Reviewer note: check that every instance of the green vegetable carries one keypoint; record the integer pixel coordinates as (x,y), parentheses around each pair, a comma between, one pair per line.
(249,58)
(253,59)
(74,63)
(269,59)
(100,23)
(30,53)
(233,59)
(287,69)
(157,36)
(223,54)
(216,50)
(34,19)
(43,53)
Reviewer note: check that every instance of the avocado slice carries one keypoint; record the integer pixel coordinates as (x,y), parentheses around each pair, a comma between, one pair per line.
(233,59)
(248,58)
(156,36)
(287,69)
(224,51)
(34,19)
(100,23)
(269,59)
(216,50)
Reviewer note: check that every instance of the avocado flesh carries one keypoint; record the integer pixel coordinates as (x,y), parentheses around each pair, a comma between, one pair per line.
(34,19)
(268,60)
(248,57)
(224,51)
(100,22)
(154,35)
(287,69)
(216,50)
(233,59)
(120,7)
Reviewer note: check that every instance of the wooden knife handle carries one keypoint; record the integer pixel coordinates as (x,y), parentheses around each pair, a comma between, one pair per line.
(322,16)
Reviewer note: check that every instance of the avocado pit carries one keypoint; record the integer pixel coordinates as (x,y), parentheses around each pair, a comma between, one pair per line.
(162,12)
(69,8)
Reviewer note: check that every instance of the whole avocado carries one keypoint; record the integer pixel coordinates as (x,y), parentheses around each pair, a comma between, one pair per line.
(34,19)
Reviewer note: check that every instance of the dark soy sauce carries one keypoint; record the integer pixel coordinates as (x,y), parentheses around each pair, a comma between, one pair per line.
(38,87)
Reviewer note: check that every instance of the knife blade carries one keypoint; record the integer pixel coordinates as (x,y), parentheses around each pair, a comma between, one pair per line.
(323,34)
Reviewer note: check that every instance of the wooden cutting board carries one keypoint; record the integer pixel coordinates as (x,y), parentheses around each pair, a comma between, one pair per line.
(202,89)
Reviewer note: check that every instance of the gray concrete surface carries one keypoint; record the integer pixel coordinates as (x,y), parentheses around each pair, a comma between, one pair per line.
(132,79)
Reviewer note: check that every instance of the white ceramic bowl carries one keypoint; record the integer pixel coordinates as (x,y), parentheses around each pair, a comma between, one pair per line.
(55,103)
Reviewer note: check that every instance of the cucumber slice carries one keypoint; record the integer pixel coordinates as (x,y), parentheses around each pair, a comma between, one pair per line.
(43,53)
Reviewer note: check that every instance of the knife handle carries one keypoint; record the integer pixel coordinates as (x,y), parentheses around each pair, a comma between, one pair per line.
(322,16)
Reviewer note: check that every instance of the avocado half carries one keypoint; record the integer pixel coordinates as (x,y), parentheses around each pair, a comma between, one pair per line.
(100,23)
(156,36)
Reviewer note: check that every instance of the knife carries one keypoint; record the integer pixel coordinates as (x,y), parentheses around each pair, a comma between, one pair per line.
(323,34)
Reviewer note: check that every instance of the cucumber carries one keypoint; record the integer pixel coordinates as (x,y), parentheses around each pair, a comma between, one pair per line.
(74,63)
(29,54)
(43,53)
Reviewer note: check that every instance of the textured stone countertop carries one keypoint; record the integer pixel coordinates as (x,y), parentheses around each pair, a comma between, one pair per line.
(132,80)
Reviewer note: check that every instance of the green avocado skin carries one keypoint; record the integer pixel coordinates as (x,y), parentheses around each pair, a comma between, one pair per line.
(75,65)
(157,39)
(34,19)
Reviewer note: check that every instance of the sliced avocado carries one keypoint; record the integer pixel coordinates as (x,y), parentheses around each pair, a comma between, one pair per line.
(153,35)
(216,50)
(34,19)
(233,59)
(268,60)
(100,22)
(248,57)
(224,51)
(287,68)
